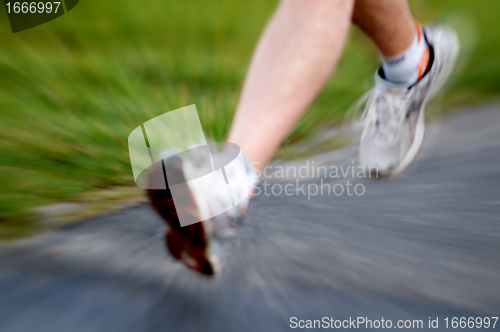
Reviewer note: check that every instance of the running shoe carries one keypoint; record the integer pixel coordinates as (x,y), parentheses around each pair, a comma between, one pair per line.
(197,234)
(394,123)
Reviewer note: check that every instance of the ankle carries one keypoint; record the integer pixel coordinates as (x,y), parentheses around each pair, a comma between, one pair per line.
(408,66)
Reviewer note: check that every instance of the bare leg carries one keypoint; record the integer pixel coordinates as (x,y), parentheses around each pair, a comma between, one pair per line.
(388,23)
(293,59)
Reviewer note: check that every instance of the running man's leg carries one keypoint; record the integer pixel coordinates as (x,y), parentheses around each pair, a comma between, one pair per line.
(416,63)
(295,55)
(294,58)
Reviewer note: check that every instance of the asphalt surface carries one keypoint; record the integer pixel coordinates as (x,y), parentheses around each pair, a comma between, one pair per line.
(426,244)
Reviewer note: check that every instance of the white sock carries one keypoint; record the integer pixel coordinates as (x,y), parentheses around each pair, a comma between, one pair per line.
(408,66)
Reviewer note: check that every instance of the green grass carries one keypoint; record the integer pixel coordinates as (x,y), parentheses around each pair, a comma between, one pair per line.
(73,89)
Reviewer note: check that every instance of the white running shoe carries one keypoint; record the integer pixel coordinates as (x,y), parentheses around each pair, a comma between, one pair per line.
(394,114)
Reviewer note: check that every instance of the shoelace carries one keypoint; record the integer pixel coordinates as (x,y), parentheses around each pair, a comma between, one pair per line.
(389,109)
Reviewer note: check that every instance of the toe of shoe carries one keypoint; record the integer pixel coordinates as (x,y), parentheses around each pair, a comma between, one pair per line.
(378,160)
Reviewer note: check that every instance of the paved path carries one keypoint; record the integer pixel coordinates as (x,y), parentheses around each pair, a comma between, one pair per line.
(425,244)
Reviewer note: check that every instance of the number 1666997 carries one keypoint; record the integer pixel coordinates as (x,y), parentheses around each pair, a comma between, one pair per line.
(32,7)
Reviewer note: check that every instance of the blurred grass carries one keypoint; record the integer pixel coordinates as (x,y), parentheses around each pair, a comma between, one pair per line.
(73,89)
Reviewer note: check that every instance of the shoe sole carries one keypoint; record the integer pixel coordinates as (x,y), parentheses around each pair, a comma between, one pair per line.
(188,244)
